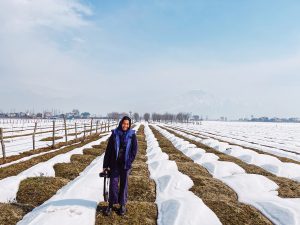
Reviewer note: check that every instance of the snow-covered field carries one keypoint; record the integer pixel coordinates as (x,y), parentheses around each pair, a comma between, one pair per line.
(15,143)
(252,189)
(9,186)
(278,135)
(270,163)
(76,203)
(282,139)
(173,198)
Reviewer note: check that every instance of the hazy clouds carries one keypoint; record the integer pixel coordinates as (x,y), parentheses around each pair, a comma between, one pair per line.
(100,56)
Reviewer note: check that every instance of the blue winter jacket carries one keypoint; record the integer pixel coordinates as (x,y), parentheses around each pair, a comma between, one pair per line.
(113,148)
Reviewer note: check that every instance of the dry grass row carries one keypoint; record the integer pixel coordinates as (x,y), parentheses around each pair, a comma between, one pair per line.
(15,169)
(44,149)
(12,213)
(51,138)
(36,190)
(215,194)
(141,208)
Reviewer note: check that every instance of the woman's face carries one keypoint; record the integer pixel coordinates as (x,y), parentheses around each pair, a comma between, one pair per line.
(125,125)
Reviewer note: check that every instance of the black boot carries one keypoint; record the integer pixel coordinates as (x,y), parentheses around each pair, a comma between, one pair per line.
(108,211)
(122,210)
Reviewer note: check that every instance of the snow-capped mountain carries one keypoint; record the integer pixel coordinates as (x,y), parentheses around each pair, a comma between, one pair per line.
(198,102)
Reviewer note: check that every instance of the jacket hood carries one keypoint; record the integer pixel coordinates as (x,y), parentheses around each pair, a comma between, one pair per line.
(124,118)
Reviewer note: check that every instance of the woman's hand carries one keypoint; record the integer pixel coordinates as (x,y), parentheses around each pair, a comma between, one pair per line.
(106,169)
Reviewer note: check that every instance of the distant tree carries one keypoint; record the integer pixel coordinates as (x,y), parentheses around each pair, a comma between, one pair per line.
(85,115)
(76,112)
(136,116)
(179,117)
(116,115)
(123,114)
(186,117)
(113,116)
(169,117)
(196,117)
(183,117)
(156,117)
(147,117)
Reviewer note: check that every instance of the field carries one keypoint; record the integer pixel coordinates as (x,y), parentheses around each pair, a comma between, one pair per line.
(18,133)
(213,173)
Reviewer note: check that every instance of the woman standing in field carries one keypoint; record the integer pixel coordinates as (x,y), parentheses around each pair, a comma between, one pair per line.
(120,152)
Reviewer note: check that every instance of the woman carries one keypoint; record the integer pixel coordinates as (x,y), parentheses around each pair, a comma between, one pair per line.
(120,152)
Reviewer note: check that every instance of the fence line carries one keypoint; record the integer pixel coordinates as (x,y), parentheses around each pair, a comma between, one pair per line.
(2,144)
(104,126)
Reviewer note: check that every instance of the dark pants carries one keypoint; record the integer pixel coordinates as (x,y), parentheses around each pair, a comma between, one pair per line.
(116,195)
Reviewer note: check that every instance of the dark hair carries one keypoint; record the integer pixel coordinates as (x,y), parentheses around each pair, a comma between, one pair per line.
(125,118)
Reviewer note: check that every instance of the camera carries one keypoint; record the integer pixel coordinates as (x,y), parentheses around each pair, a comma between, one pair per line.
(105,174)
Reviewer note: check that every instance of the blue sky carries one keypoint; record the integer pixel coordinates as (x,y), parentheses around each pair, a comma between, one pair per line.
(101,56)
(222,30)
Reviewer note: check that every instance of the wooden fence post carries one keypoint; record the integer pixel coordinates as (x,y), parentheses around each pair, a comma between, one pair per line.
(84,131)
(101,127)
(66,134)
(97,127)
(75,131)
(2,144)
(91,127)
(33,135)
(53,134)
(108,126)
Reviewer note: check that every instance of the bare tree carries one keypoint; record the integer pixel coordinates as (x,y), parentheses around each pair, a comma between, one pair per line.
(156,117)
(166,117)
(186,117)
(116,115)
(136,116)
(147,117)
(179,117)
(113,116)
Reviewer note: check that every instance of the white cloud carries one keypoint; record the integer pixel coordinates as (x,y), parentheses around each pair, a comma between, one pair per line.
(31,56)
(24,15)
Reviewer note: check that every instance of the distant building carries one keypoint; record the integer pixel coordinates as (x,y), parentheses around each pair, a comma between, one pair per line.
(223,118)
(196,117)
(294,120)
(12,115)
(76,113)
(39,115)
(48,115)
(22,115)
(61,116)
(70,115)
(273,119)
